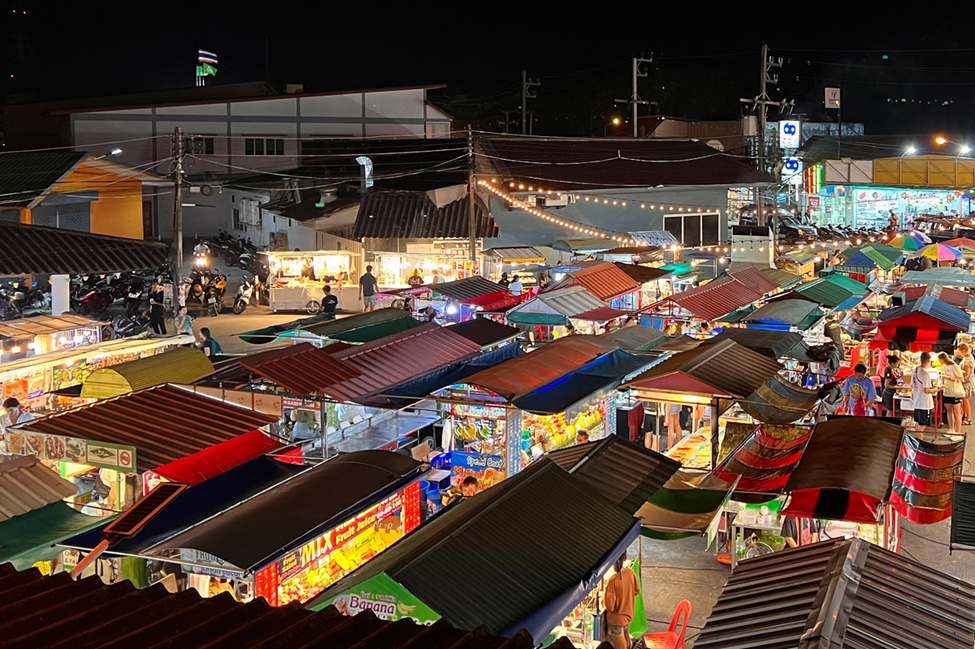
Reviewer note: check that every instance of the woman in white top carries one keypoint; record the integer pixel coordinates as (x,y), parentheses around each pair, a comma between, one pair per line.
(954,391)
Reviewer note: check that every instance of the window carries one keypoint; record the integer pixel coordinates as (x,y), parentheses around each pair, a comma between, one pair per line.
(202,145)
(694,230)
(238,223)
(263,146)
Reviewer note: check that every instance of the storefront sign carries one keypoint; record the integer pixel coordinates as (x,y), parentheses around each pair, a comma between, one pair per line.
(478,412)
(789,135)
(216,567)
(386,598)
(832,98)
(513,443)
(70,449)
(792,170)
(305,572)
(488,469)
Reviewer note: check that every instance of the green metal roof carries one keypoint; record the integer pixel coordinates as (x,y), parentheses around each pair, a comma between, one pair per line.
(28,538)
(824,292)
(850,284)
(678,269)
(738,314)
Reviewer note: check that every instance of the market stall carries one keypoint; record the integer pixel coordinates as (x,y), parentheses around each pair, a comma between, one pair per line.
(43,334)
(33,381)
(181,365)
(298,278)
(449,261)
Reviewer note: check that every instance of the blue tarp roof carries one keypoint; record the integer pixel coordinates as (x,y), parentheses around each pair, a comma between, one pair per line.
(197,503)
(603,373)
(418,389)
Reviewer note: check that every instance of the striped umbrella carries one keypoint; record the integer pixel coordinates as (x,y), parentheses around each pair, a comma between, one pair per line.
(940,252)
(909,241)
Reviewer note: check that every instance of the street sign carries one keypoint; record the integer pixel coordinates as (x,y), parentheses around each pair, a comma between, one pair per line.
(832,98)
(789,134)
(791,167)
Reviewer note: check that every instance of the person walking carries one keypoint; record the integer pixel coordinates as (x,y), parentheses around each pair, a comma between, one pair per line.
(183,322)
(367,290)
(157,309)
(859,392)
(621,591)
(953,392)
(209,346)
(922,392)
(967,365)
(889,385)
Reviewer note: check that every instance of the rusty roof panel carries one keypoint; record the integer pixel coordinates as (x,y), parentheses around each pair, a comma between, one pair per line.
(754,279)
(164,423)
(716,298)
(300,369)
(605,280)
(26,485)
(32,615)
(467,289)
(390,361)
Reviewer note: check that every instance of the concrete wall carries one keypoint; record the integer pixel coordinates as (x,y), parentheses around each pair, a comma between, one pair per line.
(519,228)
(291,117)
(118,209)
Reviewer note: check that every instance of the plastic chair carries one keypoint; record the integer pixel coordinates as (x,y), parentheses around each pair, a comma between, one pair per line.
(670,639)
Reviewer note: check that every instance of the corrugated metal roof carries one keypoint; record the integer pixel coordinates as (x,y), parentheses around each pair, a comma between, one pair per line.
(525,374)
(32,608)
(782,278)
(36,250)
(952,296)
(624,473)
(181,365)
(524,254)
(840,594)
(605,280)
(754,279)
(930,306)
(468,288)
(565,302)
(602,314)
(485,332)
(41,325)
(729,368)
(492,540)
(412,215)
(656,238)
(850,284)
(774,344)
(940,276)
(163,423)
(641,274)
(790,311)
(387,362)
(26,485)
(637,338)
(716,298)
(823,292)
(26,177)
(300,369)
(328,493)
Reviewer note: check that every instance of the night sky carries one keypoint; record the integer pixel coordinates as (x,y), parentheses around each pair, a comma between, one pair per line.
(901,72)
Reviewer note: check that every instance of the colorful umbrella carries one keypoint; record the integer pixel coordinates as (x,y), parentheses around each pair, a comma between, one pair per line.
(962,242)
(909,240)
(940,252)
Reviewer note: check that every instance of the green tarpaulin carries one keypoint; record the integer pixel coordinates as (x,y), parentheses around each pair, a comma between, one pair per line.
(547,319)
(685,506)
(359,328)
(27,539)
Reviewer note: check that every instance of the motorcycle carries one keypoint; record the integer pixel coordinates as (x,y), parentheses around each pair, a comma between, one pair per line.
(212,301)
(94,301)
(133,299)
(244,294)
(11,303)
(130,325)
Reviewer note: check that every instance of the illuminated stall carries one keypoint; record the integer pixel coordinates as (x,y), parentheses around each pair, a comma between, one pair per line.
(43,334)
(449,263)
(298,279)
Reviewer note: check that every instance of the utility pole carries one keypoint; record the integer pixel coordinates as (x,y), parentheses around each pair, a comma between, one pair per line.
(761,104)
(526,94)
(507,118)
(179,152)
(634,101)
(471,184)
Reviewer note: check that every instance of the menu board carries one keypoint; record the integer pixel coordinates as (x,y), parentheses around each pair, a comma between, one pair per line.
(58,448)
(303,573)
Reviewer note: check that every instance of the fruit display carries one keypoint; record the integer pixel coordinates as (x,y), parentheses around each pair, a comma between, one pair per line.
(553,432)
(478,428)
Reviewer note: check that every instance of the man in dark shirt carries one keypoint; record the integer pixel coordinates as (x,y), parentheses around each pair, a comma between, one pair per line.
(800,531)
(367,290)
(329,301)
(157,310)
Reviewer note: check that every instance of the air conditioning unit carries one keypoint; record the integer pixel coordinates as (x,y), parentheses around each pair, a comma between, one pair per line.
(549,200)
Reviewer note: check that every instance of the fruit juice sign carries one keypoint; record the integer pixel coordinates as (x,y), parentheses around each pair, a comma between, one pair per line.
(386,598)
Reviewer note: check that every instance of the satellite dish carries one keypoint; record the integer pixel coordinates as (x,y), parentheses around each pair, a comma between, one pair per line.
(716,144)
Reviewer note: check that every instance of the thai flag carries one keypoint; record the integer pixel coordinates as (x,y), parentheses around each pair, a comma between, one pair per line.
(208,58)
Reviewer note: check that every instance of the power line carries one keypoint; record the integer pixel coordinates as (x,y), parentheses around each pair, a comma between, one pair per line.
(69,148)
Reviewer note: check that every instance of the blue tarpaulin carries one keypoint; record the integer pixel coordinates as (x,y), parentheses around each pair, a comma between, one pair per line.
(603,373)
(197,503)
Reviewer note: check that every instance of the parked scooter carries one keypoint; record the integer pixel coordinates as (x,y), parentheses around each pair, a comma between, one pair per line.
(133,299)
(244,294)
(94,301)
(130,325)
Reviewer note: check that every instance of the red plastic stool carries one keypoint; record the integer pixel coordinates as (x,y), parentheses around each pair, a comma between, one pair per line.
(670,639)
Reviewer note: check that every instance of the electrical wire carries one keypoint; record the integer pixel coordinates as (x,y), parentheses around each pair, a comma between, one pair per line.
(437,167)
(94,144)
(925,538)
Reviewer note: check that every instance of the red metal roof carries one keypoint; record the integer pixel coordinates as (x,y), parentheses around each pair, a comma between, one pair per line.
(389,361)
(606,280)
(601,314)
(301,369)
(755,279)
(214,460)
(952,296)
(716,298)
(163,423)
(527,373)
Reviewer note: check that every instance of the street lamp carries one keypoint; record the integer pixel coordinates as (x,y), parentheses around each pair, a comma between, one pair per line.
(962,148)
(909,151)
(615,122)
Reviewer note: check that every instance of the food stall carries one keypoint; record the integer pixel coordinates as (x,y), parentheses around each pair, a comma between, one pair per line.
(34,380)
(448,259)
(43,334)
(297,279)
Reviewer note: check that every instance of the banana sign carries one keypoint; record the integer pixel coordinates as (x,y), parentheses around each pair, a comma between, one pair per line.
(386,598)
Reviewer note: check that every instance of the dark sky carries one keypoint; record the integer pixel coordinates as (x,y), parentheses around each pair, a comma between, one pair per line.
(906,71)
